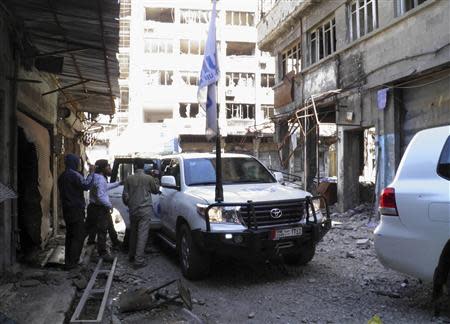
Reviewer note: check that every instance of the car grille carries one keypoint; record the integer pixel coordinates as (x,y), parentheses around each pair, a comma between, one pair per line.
(292,212)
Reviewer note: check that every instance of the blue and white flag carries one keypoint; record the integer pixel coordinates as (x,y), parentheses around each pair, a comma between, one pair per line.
(209,75)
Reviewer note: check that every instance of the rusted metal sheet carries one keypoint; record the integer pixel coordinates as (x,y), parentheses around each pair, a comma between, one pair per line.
(283,93)
(86,35)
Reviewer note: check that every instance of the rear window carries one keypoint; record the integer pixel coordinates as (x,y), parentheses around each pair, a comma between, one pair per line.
(443,168)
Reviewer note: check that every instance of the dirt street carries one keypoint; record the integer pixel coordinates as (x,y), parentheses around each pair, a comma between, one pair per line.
(344,283)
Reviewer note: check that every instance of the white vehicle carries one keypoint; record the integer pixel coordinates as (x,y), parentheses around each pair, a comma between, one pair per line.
(415,208)
(259,216)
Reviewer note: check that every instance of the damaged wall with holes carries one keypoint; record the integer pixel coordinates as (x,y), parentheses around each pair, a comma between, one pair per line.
(39,123)
(393,78)
(27,120)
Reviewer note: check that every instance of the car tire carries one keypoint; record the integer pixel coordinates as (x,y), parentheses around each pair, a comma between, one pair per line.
(303,257)
(195,264)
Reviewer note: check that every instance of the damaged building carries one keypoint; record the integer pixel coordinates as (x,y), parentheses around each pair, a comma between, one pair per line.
(161,52)
(58,72)
(378,71)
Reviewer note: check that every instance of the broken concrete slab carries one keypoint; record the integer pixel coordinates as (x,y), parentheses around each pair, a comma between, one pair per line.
(363,243)
(80,283)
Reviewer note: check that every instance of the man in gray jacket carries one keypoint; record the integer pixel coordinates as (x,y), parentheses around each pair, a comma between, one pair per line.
(137,196)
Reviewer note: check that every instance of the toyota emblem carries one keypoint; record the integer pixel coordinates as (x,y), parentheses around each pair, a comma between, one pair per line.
(276,213)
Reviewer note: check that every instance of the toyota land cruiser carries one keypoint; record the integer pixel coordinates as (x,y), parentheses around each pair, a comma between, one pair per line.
(258,217)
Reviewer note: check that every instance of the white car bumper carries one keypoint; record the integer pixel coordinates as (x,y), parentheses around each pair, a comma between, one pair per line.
(403,250)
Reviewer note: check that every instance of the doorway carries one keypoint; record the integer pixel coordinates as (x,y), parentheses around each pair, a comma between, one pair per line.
(29,201)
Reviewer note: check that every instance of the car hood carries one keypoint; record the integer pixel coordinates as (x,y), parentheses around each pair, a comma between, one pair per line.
(254,192)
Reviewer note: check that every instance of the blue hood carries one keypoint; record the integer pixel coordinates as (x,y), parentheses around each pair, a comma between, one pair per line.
(72,161)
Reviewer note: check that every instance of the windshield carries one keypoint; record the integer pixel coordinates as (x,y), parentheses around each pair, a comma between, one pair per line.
(202,171)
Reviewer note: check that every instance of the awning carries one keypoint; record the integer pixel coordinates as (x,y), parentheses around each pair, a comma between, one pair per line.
(85,34)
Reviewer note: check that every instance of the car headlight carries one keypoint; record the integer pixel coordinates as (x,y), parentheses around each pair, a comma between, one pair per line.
(220,214)
(319,216)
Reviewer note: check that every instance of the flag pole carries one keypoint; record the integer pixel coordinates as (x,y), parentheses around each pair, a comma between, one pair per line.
(219,187)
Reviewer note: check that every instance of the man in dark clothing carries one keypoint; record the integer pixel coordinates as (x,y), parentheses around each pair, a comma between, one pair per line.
(71,185)
(99,209)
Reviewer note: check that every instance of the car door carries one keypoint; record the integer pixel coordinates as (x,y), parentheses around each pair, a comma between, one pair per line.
(167,199)
(122,168)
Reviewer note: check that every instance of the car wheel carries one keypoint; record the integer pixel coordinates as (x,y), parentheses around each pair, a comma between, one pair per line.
(302,257)
(195,264)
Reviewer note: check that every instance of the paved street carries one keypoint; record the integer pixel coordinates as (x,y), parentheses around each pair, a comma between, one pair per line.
(343,284)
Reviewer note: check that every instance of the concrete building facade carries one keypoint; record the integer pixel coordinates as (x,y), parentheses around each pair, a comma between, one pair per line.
(388,61)
(162,52)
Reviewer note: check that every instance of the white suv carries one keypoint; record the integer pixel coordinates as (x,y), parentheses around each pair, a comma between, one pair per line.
(259,217)
(415,208)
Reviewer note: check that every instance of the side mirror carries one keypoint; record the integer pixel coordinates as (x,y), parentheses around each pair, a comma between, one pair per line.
(278,176)
(169,182)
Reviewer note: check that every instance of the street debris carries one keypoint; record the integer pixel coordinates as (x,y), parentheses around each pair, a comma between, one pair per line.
(149,298)
(30,283)
(375,320)
(363,243)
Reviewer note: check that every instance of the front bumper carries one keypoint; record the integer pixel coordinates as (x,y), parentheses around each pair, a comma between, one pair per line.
(258,242)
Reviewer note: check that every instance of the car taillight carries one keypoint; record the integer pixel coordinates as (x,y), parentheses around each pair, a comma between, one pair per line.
(388,206)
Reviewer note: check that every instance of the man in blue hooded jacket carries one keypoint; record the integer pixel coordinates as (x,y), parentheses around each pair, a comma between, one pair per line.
(71,185)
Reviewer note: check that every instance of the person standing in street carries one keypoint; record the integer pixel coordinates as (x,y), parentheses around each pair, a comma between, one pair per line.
(71,185)
(137,196)
(99,209)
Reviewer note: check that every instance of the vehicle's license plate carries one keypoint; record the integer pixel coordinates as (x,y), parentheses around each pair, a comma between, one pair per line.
(286,232)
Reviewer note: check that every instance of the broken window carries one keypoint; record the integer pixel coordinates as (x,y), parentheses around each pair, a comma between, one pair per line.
(158,46)
(189,77)
(240,48)
(240,111)
(193,47)
(158,77)
(188,110)
(322,41)
(291,59)
(240,79)
(240,18)
(151,115)
(163,15)
(267,80)
(192,16)
(363,17)
(403,6)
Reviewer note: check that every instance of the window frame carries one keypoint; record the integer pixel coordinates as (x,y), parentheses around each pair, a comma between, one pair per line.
(239,18)
(293,50)
(400,6)
(445,150)
(237,111)
(316,44)
(267,80)
(173,163)
(158,43)
(193,43)
(245,76)
(268,111)
(163,75)
(354,35)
